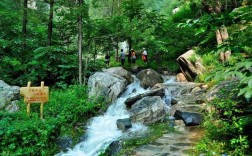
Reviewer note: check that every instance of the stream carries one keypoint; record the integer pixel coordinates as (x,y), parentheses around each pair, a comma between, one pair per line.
(102,130)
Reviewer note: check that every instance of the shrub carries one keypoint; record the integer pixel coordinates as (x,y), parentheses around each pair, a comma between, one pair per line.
(21,135)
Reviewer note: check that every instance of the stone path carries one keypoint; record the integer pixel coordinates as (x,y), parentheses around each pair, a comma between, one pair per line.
(172,144)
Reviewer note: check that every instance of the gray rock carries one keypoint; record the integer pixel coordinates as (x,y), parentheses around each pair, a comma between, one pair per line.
(7,95)
(124,124)
(156,92)
(148,110)
(121,72)
(184,97)
(174,101)
(64,142)
(221,90)
(13,107)
(114,147)
(106,85)
(149,77)
(83,138)
(3,102)
(189,118)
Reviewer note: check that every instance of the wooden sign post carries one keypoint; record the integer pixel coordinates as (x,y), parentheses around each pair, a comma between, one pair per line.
(35,95)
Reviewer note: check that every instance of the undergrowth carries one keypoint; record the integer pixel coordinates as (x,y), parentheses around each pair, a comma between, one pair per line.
(23,135)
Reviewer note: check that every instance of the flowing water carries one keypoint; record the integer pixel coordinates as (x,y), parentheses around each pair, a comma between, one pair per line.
(167,98)
(102,130)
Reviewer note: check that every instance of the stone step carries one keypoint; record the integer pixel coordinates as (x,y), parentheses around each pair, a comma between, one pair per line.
(178,143)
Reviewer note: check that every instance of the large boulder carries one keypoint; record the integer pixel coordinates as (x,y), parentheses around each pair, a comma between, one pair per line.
(189,118)
(186,96)
(106,85)
(121,72)
(8,94)
(149,77)
(156,92)
(191,65)
(148,110)
(220,91)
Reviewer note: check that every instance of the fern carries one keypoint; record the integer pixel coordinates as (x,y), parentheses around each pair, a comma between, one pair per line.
(242,72)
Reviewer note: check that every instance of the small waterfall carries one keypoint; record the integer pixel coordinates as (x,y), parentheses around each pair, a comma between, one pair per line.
(168,96)
(102,130)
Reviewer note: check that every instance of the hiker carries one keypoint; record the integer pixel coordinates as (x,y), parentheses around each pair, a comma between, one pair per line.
(122,57)
(129,56)
(144,55)
(133,54)
(107,59)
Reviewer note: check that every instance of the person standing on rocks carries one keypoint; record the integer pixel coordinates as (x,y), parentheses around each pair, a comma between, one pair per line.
(122,57)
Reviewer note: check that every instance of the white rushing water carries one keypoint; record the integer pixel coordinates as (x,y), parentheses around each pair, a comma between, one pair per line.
(167,98)
(102,130)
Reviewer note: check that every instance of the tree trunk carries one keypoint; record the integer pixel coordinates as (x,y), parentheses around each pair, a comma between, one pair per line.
(112,8)
(86,68)
(50,23)
(80,43)
(130,43)
(24,29)
(118,6)
(117,49)
(95,53)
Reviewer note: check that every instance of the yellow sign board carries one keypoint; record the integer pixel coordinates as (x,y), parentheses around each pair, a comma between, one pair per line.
(35,95)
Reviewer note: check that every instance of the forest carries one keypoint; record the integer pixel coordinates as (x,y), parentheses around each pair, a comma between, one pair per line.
(63,43)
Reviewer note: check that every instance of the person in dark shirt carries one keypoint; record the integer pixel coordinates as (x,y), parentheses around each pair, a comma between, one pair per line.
(107,59)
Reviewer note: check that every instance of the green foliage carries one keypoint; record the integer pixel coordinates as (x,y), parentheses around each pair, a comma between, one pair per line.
(210,61)
(186,11)
(21,135)
(193,58)
(240,71)
(209,147)
(227,128)
(132,9)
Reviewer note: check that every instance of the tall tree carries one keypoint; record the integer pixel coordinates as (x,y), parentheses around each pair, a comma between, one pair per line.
(80,43)
(50,22)
(24,29)
(132,9)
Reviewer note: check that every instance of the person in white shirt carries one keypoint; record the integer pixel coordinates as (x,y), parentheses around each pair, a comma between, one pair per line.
(145,58)
(122,57)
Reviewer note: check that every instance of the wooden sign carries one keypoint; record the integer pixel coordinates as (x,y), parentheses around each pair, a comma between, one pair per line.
(35,95)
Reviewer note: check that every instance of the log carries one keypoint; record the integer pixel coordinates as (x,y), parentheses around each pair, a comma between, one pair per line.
(188,68)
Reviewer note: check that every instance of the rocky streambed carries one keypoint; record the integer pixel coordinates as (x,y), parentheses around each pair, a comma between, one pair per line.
(150,99)
(163,97)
